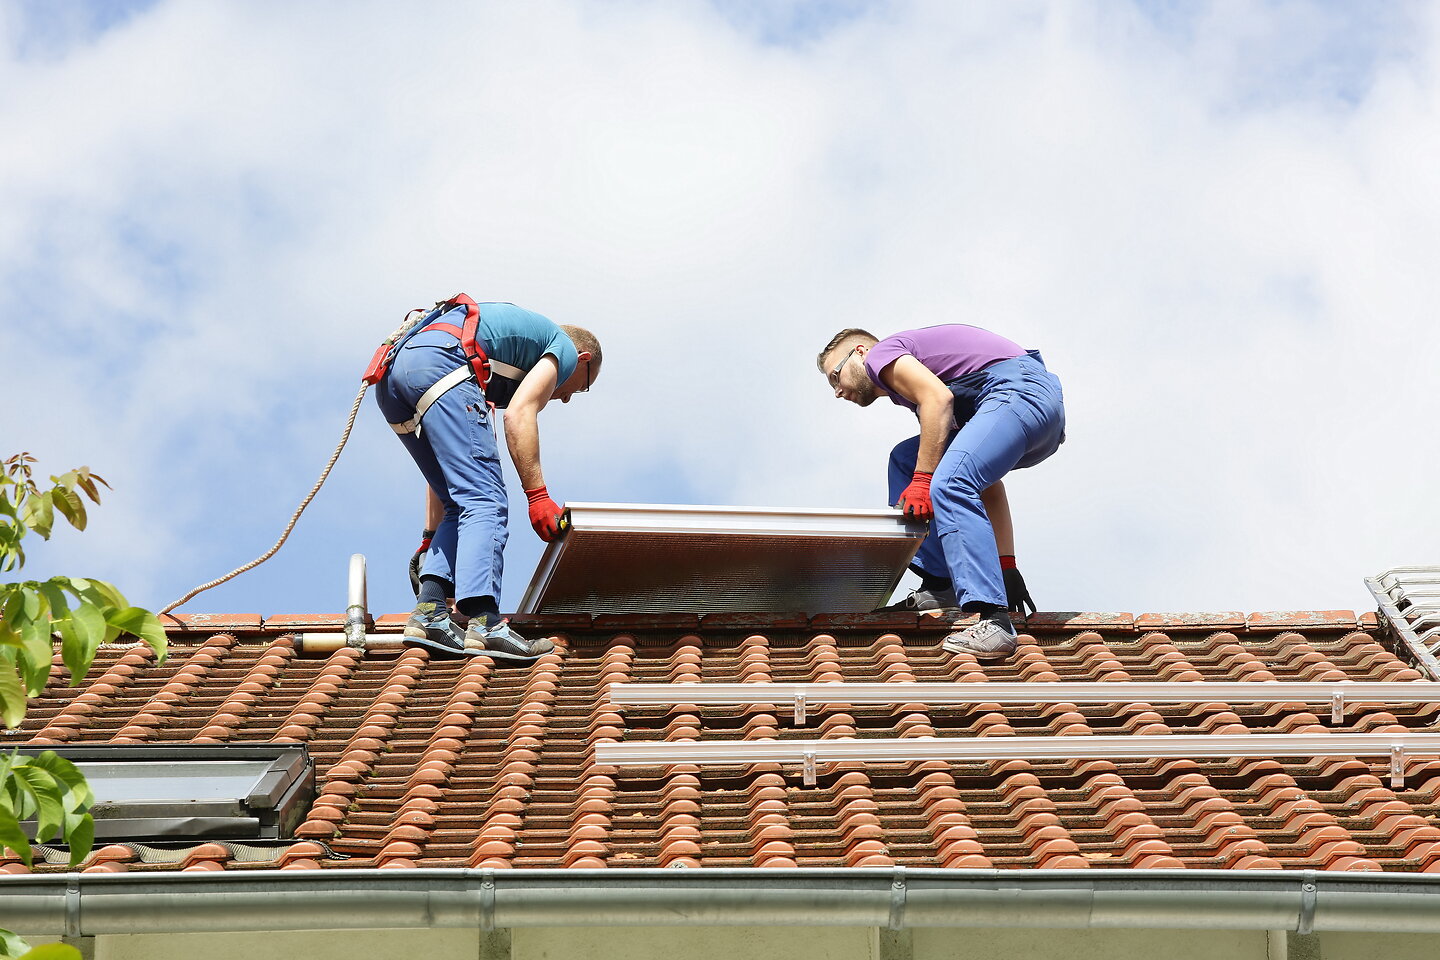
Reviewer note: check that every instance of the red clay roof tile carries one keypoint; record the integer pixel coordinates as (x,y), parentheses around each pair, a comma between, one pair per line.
(438,763)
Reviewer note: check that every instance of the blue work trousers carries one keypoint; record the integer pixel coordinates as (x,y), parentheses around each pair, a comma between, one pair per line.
(456,451)
(1011,415)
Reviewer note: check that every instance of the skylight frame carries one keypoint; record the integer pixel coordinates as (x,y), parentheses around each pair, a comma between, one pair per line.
(275,801)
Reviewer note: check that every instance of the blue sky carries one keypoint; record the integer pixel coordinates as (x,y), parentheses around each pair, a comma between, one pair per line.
(1217,220)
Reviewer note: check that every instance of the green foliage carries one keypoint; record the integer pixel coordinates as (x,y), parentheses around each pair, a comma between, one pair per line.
(13,946)
(83,614)
(48,789)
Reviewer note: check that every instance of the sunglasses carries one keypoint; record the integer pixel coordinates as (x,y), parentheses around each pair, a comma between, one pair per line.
(834,376)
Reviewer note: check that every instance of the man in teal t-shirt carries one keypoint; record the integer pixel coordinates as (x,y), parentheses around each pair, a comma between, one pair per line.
(531,361)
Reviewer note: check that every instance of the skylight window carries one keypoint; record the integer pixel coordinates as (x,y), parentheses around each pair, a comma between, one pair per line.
(193,791)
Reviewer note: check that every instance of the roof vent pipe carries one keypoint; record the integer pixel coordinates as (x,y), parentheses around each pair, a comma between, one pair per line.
(355,615)
(356,618)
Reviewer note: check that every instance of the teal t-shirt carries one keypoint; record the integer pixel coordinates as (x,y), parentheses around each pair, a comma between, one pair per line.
(519,337)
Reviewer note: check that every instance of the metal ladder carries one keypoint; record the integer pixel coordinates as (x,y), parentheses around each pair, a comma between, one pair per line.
(1409,600)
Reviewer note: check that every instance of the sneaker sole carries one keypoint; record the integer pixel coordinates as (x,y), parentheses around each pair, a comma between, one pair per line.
(442,651)
(500,655)
(978,654)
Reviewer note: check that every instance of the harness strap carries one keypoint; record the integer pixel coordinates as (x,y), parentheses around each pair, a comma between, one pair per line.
(500,367)
(477,362)
(428,398)
(506,370)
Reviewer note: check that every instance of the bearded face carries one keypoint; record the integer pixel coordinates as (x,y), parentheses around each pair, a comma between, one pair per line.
(848,379)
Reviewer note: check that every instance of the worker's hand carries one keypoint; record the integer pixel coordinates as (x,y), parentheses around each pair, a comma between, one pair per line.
(419,559)
(1017,595)
(915,499)
(545,514)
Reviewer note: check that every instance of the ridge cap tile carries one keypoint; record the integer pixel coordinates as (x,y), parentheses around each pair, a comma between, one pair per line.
(1077,620)
(728,620)
(1278,620)
(646,621)
(287,621)
(1215,620)
(180,622)
(558,622)
(879,619)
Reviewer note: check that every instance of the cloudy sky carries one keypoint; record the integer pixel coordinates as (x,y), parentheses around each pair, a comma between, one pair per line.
(1220,222)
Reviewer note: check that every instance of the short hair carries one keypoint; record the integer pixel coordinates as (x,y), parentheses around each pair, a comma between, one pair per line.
(840,339)
(585,342)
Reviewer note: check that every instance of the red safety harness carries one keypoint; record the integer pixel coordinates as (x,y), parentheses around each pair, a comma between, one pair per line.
(474,354)
(477,364)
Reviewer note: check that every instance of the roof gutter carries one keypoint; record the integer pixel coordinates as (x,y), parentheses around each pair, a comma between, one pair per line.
(76,905)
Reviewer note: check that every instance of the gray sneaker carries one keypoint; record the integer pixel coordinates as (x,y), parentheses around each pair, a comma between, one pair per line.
(501,642)
(986,640)
(935,603)
(431,628)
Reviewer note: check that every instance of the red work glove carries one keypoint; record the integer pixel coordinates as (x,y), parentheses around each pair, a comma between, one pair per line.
(915,499)
(545,514)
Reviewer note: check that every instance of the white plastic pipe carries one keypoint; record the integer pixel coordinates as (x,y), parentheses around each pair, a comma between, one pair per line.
(356,617)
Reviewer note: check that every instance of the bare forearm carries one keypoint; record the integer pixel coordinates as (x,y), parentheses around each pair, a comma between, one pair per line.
(997,508)
(934,428)
(522,437)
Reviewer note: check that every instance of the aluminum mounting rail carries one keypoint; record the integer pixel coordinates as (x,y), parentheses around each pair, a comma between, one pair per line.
(1409,598)
(803,695)
(809,753)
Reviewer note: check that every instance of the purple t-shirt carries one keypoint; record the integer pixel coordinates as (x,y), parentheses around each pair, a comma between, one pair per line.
(950,351)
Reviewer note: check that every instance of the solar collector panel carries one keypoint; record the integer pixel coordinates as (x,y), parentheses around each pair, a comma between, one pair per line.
(647,558)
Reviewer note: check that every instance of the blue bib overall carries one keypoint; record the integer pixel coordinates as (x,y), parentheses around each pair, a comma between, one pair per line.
(1011,415)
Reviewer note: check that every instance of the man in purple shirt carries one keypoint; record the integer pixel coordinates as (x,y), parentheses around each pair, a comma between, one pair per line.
(986,406)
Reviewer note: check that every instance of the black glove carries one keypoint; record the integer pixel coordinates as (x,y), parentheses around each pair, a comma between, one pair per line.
(1017,595)
(418,559)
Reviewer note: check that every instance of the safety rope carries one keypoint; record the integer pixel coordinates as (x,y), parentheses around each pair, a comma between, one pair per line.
(344,438)
(410,320)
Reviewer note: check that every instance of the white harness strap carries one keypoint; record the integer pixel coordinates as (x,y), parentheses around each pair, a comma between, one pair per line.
(506,370)
(439,388)
(436,391)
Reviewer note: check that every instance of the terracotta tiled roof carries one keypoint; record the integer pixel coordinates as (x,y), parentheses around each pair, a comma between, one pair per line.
(471,764)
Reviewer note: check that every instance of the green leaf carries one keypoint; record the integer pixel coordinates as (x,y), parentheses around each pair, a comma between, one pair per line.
(12,837)
(37,653)
(80,797)
(49,800)
(11,945)
(38,513)
(12,695)
(89,627)
(71,507)
(52,592)
(143,624)
(12,557)
(81,838)
(52,951)
(100,593)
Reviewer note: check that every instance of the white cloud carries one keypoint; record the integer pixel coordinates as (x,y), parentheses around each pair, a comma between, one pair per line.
(1221,232)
